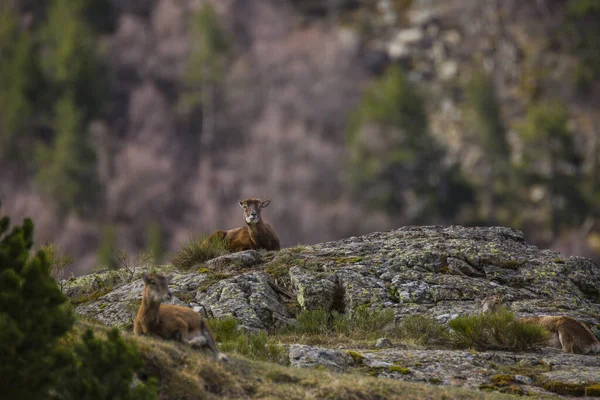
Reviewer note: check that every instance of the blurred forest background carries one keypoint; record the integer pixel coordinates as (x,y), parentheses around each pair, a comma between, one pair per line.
(137,124)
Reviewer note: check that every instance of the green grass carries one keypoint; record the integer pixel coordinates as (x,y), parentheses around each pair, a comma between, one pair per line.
(232,339)
(496,331)
(361,323)
(197,252)
(199,377)
(421,330)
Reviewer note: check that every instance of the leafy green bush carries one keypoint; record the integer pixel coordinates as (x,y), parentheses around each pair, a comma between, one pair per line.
(232,338)
(34,318)
(197,251)
(421,330)
(496,331)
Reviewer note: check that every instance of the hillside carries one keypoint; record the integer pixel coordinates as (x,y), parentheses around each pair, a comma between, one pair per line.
(490,119)
(275,307)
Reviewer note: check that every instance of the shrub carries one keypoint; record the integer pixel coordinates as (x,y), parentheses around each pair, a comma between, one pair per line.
(197,252)
(104,369)
(421,330)
(312,322)
(253,345)
(58,260)
(28,297)
(362,322)
(496,331)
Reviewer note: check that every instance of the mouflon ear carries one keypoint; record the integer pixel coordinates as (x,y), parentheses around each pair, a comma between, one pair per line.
(146,278)
(241,203)
(265,203)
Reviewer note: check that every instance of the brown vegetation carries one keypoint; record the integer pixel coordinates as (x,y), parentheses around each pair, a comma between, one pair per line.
(169,321)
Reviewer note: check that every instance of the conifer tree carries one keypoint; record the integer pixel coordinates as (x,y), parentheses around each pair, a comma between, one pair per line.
(35,360)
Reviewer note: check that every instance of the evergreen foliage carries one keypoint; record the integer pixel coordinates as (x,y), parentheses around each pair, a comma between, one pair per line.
(155,245)
(15,79)
(107,249)
(67,167)
(584,33)
(497,331)
(207,59)
(104,370)
(393,156)
(70,60)
(552,160)
(485,116)
(35,317)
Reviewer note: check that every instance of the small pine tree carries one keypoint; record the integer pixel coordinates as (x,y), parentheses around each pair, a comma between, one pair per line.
(206,67)
(155,246)
(487,121)
(67,168)
(552,160)
(34,318)
(69,59)
(107,250)
(394,158)
(584,33)
(15,79)
(103,370)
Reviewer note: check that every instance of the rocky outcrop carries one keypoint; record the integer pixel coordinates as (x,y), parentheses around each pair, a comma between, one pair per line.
(520,373)
(303,356)
(436,271)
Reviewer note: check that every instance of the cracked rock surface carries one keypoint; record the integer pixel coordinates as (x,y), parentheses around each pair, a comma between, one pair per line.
(432,270)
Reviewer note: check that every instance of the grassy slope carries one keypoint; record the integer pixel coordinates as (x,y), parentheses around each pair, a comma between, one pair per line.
(188,374)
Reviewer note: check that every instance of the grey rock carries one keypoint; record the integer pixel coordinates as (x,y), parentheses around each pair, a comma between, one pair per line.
(524,380)
(119,307)
(242,259)
(303,356)
(448,70)
(250,298)
(383,343)
(315,290)
(409,36)
(431,270)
